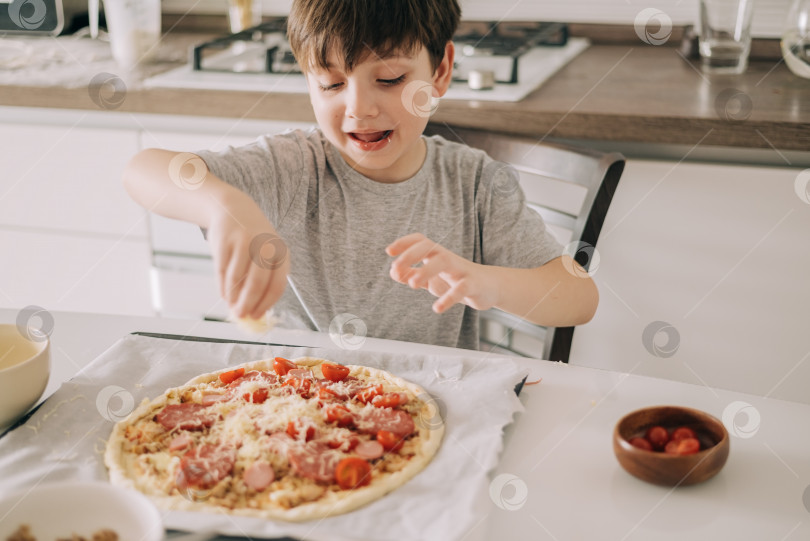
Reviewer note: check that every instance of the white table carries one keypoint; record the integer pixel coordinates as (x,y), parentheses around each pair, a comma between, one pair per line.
(558,478)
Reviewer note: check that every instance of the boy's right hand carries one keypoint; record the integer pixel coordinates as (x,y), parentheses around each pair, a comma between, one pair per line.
(252,262)
(251,259)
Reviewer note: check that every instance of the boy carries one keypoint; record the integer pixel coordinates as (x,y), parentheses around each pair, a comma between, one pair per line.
(332,206)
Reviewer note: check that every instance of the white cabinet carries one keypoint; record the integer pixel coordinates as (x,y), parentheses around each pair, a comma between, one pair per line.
(70,237)
(703,278)
(74,272)
(68,178)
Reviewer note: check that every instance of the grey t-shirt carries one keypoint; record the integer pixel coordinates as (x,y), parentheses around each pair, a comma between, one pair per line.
(337,223)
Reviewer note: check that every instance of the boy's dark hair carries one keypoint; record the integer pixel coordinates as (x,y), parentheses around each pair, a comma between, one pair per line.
(358,28)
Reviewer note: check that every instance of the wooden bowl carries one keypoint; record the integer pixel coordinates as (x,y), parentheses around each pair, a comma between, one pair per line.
(667,469)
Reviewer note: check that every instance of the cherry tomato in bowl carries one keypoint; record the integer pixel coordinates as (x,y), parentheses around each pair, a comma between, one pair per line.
(641,443)
(684,446)
(658,436)
(682,460)
(683,432)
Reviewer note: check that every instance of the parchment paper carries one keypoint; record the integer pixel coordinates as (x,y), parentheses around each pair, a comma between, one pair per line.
(65,438)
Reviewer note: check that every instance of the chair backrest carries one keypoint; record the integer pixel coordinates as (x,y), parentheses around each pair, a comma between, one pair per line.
(572,189)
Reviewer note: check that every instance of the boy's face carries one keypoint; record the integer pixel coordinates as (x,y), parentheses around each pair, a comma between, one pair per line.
(375,114)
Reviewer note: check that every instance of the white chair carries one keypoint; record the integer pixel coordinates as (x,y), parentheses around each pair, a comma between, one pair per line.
(572,189)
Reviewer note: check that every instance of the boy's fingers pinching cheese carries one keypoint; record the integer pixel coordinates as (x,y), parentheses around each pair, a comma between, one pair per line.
(222,273)
(258,281)
(272,293)
(235,277)
(261,302)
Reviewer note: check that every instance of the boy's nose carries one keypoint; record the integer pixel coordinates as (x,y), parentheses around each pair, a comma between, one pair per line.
(361,103)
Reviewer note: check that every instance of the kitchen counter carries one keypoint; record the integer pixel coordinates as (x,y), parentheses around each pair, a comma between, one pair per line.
(617,93)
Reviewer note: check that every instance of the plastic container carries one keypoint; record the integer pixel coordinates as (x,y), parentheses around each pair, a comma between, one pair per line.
(134,30)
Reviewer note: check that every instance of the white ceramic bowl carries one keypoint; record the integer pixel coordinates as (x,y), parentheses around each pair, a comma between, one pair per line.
(58,510)
(21,383)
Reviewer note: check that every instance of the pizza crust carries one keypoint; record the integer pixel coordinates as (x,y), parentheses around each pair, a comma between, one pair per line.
(429,429)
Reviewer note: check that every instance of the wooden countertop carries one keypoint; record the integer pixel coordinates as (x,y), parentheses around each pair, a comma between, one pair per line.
(627,93)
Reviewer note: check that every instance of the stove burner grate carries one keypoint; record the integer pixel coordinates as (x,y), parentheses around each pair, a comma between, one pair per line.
(484,45)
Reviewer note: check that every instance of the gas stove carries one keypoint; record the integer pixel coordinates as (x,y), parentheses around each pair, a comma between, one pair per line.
(494,61)
(498,47)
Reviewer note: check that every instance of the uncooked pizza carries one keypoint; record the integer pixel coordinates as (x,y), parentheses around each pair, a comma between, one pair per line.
(281,439)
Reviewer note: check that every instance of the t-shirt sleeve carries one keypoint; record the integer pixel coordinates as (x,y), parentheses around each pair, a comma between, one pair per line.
(269,170)
(512,234)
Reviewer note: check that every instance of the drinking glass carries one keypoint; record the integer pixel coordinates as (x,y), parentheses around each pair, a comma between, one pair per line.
(725,35)
(244,14)
(796,39)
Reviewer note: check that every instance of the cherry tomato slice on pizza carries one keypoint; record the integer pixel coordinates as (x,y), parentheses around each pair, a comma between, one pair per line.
(353,472)
(336,413)
(281,366)
(347,444)
(389,400)
(292,430)
(301,386)
(257,397)
(334,372)
(231,375)
(326,395)
(367,394)
(389,440)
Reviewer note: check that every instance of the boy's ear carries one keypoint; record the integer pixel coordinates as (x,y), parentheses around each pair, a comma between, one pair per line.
(443,75)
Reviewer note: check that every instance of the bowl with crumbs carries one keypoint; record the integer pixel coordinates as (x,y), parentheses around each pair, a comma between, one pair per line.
(79,511)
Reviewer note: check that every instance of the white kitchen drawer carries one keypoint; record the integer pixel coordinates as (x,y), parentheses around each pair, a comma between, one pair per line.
(74,273)
(68,178)
(186,288)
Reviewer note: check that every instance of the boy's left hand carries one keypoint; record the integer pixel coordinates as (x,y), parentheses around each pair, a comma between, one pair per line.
(446,275)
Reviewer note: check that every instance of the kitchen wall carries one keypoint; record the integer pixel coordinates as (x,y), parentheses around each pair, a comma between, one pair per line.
(769,15)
